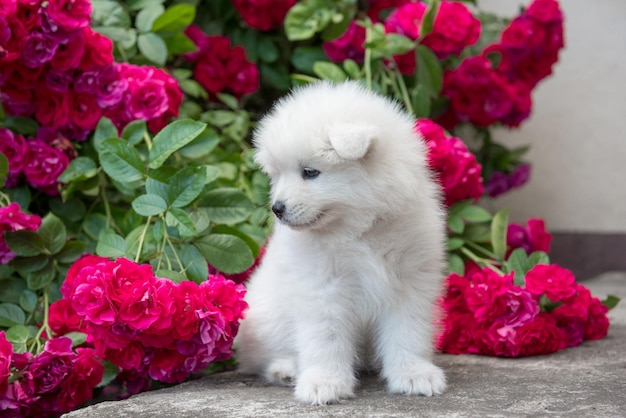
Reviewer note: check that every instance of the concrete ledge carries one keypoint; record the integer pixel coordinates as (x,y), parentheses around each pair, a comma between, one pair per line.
(586,381)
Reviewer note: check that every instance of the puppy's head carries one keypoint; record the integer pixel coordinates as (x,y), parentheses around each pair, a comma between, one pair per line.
(321,148)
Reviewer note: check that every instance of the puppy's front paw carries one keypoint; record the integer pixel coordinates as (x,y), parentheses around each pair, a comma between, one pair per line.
(426,379)
(281,372)
(322,387)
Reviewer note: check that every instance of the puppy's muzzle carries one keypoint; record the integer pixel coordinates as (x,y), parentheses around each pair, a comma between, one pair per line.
(279,209)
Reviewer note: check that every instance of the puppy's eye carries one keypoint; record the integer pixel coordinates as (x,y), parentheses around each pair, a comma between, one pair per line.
(309,173)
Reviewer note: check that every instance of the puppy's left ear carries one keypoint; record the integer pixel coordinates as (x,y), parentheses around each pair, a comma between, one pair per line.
(351,141)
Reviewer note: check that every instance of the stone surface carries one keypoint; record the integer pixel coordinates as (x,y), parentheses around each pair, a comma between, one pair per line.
(586,381)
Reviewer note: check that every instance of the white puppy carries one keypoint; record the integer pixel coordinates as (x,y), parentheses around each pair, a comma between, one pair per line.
(355,262)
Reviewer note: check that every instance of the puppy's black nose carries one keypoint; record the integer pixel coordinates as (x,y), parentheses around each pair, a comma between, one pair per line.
(279,209)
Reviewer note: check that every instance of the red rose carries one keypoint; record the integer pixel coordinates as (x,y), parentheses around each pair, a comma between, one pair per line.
(545,11)
(44,165)
(6,351)
(62,318)
(52,108)
(523,35)
(454,299)
(84,111)
(597,325)
(14,147)
(68,55)
(98,50)
(483,296)
(541,336)
(348,46)
(458,334)
(129,358)
(263,14)
(78,387)
(376,7)
(498,340)
(556,282)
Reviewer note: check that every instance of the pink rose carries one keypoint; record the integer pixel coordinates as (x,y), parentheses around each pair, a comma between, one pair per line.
(78,387)
(347,46)
(454,299)
(263,14)
(67,288)
(39,49)
(147,99)
(6,351)
(52,108)
(377,7)
(70,14)
(50,367)
(128,358)
(44,165)
(545,11)
(13,219)
(556,282)
(498,340)
(484,295)
(13,146)
(63,319)
(520,307)
(455,166)
(91,294)
(98,50)
(531,238)
(541,336)
(147,306)
(186,299)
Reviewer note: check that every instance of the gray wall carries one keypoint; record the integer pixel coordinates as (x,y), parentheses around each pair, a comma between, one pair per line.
(577,130)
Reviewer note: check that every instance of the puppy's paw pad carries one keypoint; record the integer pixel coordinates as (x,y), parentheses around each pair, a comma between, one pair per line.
(281,372)
(323,389)
(427,380)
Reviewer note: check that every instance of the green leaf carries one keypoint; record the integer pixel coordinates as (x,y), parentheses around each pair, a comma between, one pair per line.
(194,89)
(537,257)
(455,223)
(111,245)
(180,219)
(518,263)
(175,19)
(202,145)
(153,47)
(352,69)
(226,205)
(21,125)
(104,130)
(172,275)
(110,372)
(267,50)
(28,300)
(499,225)
(173,137)
(306,18)
(80,168)
(475,214)
(196,267)
(109,13)
(140,4)
(17,334)
(11,314)
(238,232)
(329,71)
(611,301)
(41,278)
(179,43)
(135,132)
(94,223)
(78,338)
(186,186)
(456,264)
(4,169)
(121,161)
(398,44)
(428,21)
(303,57)
(455,243)
(420,99)
(26,265)
(53,233)
(24,243)
(429,71)
(11,290)
(227,253)
(70,252)
(146,17)
(149,205)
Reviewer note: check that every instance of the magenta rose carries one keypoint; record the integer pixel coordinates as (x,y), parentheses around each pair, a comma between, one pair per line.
(541,336)
(533,237)
(98,50)
(377,7)
(13,146)
(6,351)
(68,55)
(84,111)
(520,307)
(454,298)
(13,219)
(50,367)
(545,11)
(78,387)
(91,294)
(147,99)
(498,340)
(52,108)
(44,165)
(597,325)
(458,334)
(69,14)
(556,282)
(484,295)
(39,49)
(147,306)
(348,46)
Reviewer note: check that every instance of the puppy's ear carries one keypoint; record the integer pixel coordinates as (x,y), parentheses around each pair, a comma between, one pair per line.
(351,141)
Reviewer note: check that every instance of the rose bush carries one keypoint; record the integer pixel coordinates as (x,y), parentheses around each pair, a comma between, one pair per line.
(131,210)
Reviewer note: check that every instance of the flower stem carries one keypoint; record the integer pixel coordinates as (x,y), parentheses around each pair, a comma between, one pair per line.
(481,249)
(479,260)
(368,57)
(142,238)
(45,327)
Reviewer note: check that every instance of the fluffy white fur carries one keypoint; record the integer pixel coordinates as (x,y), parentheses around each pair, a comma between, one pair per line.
(354,266)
